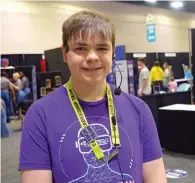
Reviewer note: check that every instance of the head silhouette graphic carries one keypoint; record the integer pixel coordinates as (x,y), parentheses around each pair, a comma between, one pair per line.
(104,141)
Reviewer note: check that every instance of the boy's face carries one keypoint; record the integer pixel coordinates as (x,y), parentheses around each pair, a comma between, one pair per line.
(89,60)
(139,63)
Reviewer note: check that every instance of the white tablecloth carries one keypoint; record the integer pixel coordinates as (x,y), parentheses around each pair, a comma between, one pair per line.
(182,80)
(179,107)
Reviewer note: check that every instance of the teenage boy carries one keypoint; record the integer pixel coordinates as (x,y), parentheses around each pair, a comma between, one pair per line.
(82,132)
(144,78)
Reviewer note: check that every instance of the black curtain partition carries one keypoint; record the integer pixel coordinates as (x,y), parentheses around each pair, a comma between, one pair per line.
(129,56)
(14,59)
(24,60)
(193,59)
(175,62)
(150,59)
(32,59)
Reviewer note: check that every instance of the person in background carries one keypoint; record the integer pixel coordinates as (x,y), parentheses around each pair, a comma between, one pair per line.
(187,73)
(171,71)
(6,91)
(144,76)
(18,89)
(25,82)
(4,129)
(156,76)
(167,75)
(156,73)
(172,85)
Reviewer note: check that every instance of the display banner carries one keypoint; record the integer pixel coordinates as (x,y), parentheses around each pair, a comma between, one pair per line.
(150,26)
(130,77)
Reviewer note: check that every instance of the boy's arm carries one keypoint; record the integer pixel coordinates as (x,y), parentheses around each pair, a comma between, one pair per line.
(154,171)
(153,166)
(38,176)
(35,159)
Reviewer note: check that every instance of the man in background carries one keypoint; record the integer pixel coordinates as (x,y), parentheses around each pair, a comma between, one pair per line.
(6,92)
(144,78)
(25,83)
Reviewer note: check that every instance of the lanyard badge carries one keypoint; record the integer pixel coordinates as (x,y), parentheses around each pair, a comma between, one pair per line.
(88,132)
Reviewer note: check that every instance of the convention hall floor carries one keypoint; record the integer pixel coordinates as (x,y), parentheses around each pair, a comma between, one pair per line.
(10,150)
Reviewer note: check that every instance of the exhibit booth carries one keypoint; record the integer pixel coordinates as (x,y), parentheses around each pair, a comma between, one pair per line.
(56,72)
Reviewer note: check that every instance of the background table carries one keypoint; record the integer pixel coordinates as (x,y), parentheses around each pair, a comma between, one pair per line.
(177,128)
(161,100)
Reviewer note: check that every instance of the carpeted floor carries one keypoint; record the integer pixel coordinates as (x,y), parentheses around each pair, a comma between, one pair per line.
(10,150)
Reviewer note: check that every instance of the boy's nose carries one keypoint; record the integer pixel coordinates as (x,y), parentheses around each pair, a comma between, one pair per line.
(92,56)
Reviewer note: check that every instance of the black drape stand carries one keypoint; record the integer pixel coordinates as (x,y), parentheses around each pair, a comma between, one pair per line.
(192,59)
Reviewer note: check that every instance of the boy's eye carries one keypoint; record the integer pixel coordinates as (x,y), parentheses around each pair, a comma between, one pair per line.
(102,49)
(80,49)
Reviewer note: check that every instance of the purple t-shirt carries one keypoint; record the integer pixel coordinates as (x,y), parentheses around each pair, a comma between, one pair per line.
(52,139)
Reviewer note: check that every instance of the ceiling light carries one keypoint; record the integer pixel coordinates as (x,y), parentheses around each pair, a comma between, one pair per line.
(176,4)
(151,1)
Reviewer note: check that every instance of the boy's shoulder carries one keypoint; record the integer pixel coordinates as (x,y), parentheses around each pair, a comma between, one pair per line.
(59,98)
(130,102)
(127,98)
(133,99)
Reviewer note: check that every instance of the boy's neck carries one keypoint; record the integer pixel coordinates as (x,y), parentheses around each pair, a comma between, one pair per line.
(89,93)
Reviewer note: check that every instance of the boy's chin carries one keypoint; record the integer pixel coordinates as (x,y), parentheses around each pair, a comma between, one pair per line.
(93,81)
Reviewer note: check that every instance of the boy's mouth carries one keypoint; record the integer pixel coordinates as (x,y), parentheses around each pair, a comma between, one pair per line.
(92,69)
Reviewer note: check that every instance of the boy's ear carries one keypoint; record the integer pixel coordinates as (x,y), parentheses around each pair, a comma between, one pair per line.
(113,54)
(64,53)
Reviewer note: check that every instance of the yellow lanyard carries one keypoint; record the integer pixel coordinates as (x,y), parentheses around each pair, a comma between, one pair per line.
(83,121)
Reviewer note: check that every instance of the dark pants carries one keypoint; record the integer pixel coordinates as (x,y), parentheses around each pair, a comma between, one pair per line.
(27,93)
(19,97)
(7,99)
(157,86)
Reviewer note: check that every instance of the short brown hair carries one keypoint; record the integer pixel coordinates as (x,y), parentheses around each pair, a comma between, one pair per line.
(4,74)
(142,60)
(172,78)
(84,23)
(156,63)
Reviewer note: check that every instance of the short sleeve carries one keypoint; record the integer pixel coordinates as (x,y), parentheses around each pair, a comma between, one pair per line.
(166,71)
(24,81)
(34,148)
(151,144)
(145,74)
(18,84)
(8,83)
